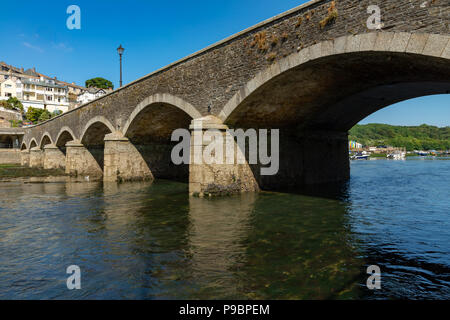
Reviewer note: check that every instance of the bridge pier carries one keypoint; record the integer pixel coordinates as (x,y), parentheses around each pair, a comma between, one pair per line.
(36,158)
(25,158)
(80,162)
(213,178)
(122,161)
(54,158)
(306,160)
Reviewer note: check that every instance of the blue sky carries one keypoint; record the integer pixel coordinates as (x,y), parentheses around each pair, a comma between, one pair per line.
(154,34)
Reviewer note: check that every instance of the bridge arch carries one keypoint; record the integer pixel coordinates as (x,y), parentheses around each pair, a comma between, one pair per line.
(160,99)
(99,124)
(316,95)
(334,84)
(149,128)
(93,138)
(65,135)
(45,139)
(33,143)
(23,146)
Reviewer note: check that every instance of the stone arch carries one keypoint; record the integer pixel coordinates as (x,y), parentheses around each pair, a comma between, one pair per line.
(162,99)
(33,143)
(93,138)
(45,139)
(149,128)
(23,146)
(96,121)
(421,47)
(64,134)
(316,95)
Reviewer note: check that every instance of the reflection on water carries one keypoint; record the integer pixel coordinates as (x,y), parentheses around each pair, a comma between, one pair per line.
(152,241)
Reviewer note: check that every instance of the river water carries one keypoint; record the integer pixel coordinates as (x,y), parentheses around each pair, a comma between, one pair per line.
(152,241)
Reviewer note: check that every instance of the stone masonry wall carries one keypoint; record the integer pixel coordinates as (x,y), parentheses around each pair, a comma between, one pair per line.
(80,162)
(10,156)
(54,158)
(123,162)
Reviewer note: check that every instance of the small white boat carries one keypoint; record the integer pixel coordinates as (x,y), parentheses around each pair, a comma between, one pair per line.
(397,155)
(360,156)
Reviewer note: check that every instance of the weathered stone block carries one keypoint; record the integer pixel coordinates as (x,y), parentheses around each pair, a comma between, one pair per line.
(36,158)
(417,43)
(80,162)
(123,162)
(435,45)
(54,158)
(400,42)
(25,158)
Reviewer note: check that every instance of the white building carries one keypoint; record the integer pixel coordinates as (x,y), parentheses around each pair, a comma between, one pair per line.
(36,90)
(44,94)
(91,94)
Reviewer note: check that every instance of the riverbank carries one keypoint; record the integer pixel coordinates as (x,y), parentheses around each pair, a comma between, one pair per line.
(408,155)
(8,171)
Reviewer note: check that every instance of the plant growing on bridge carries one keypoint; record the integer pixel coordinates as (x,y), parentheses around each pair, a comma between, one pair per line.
(331,16)
(260,40)
(271,56)
(273,40)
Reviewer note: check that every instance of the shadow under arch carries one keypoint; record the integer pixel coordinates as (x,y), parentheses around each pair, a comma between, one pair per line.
(316,95)
(65,135)
(6,142)
(23,146)
(46,139)
(33,143)
(93,137)
(149,129)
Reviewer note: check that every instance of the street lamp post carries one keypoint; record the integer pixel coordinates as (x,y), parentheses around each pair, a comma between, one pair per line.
(120,50)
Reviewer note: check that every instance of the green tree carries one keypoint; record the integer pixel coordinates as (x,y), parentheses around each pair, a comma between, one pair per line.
(56,113)
(99,83)
(423,137)
(4,104)
(12,104)
(45,115)
(15,104)
(33,114)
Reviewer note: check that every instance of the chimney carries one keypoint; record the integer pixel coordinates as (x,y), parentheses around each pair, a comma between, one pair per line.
(34,69)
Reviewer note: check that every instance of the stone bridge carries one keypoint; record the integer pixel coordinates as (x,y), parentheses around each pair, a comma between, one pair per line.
(312,72)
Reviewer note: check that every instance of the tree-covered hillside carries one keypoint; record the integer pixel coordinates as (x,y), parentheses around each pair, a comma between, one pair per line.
(422,137)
